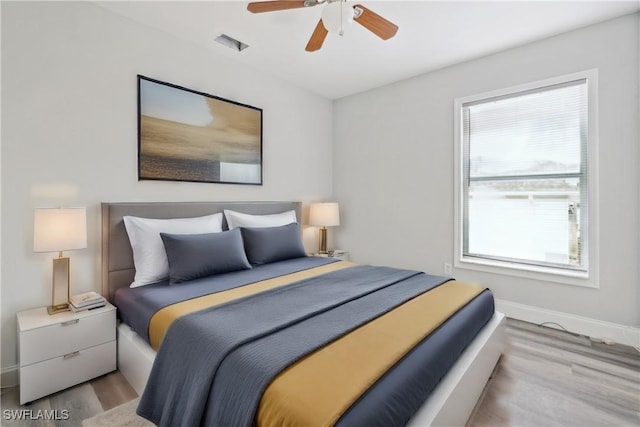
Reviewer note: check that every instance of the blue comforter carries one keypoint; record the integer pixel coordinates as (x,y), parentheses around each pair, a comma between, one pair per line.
(213,365)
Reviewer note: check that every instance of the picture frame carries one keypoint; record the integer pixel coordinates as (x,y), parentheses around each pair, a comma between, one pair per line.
(187,135)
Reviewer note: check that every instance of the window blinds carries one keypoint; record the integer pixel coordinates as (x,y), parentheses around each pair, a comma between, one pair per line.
(525,177)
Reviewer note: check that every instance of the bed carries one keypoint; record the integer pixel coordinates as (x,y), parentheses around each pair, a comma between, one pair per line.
(449,403)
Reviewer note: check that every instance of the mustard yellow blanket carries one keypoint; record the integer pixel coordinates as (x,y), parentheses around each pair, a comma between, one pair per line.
(318,389)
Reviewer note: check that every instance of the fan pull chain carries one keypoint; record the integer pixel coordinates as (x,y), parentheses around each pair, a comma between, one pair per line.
(342,19)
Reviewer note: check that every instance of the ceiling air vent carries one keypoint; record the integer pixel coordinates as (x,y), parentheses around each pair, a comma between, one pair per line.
(232,43)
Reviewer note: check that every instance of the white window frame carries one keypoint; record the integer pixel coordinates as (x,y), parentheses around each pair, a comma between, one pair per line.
(589,278)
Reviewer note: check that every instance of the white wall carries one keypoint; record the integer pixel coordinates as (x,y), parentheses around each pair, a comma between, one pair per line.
(69,133)
(394,158)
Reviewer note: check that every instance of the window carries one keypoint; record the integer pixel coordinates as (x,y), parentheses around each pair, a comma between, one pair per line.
(524,178)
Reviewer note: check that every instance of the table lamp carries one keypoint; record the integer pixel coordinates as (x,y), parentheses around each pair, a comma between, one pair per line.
(57,230)
(324,215)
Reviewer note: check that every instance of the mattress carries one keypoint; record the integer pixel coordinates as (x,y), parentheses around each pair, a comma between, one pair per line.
(394,396)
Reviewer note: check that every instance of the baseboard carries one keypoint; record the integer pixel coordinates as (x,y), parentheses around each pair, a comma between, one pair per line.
(9,376)
(596,329)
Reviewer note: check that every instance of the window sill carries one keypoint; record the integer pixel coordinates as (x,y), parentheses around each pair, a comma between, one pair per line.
(544,274)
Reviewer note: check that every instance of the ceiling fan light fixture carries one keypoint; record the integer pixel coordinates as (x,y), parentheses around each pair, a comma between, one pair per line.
(337,15)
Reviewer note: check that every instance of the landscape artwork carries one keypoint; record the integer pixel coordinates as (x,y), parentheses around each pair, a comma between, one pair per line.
(184,135)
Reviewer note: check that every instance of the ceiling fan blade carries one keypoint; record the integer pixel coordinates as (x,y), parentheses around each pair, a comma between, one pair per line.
(374,22)
(317,38)
(271,6)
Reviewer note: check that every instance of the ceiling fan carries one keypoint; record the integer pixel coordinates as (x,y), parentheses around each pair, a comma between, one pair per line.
(335,15)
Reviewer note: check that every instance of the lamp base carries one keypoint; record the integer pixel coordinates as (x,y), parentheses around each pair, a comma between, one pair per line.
(322,238)
(60,290)
(55,309)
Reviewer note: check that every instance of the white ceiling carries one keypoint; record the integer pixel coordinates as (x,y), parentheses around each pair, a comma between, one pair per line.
(432,35)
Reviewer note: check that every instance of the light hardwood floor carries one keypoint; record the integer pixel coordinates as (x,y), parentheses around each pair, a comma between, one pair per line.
(82,401)
(545,378)
(548,377)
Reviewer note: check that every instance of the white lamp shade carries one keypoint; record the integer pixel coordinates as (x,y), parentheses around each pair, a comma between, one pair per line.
(324,214)
(60,229)
(337,16)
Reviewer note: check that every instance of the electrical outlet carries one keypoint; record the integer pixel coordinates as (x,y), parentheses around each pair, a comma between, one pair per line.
(447,268)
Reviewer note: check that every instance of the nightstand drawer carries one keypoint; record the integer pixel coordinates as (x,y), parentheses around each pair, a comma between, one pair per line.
(41,379)
(39,344)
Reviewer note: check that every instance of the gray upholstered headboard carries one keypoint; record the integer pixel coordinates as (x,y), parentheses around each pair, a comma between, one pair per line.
(117,257)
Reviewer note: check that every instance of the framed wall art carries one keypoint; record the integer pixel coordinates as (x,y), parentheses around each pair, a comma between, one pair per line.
(185,135)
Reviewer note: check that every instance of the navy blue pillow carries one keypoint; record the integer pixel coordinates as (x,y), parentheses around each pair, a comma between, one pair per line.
(271,244)
(192,256)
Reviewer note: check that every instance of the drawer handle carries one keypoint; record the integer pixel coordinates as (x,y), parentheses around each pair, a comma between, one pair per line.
(70,322)
(70,355)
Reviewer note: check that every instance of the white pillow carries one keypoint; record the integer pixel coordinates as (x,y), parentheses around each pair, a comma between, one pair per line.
(149,256)
(237,219)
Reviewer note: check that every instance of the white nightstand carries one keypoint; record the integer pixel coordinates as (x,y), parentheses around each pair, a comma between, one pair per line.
(341,255)
(65,349)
